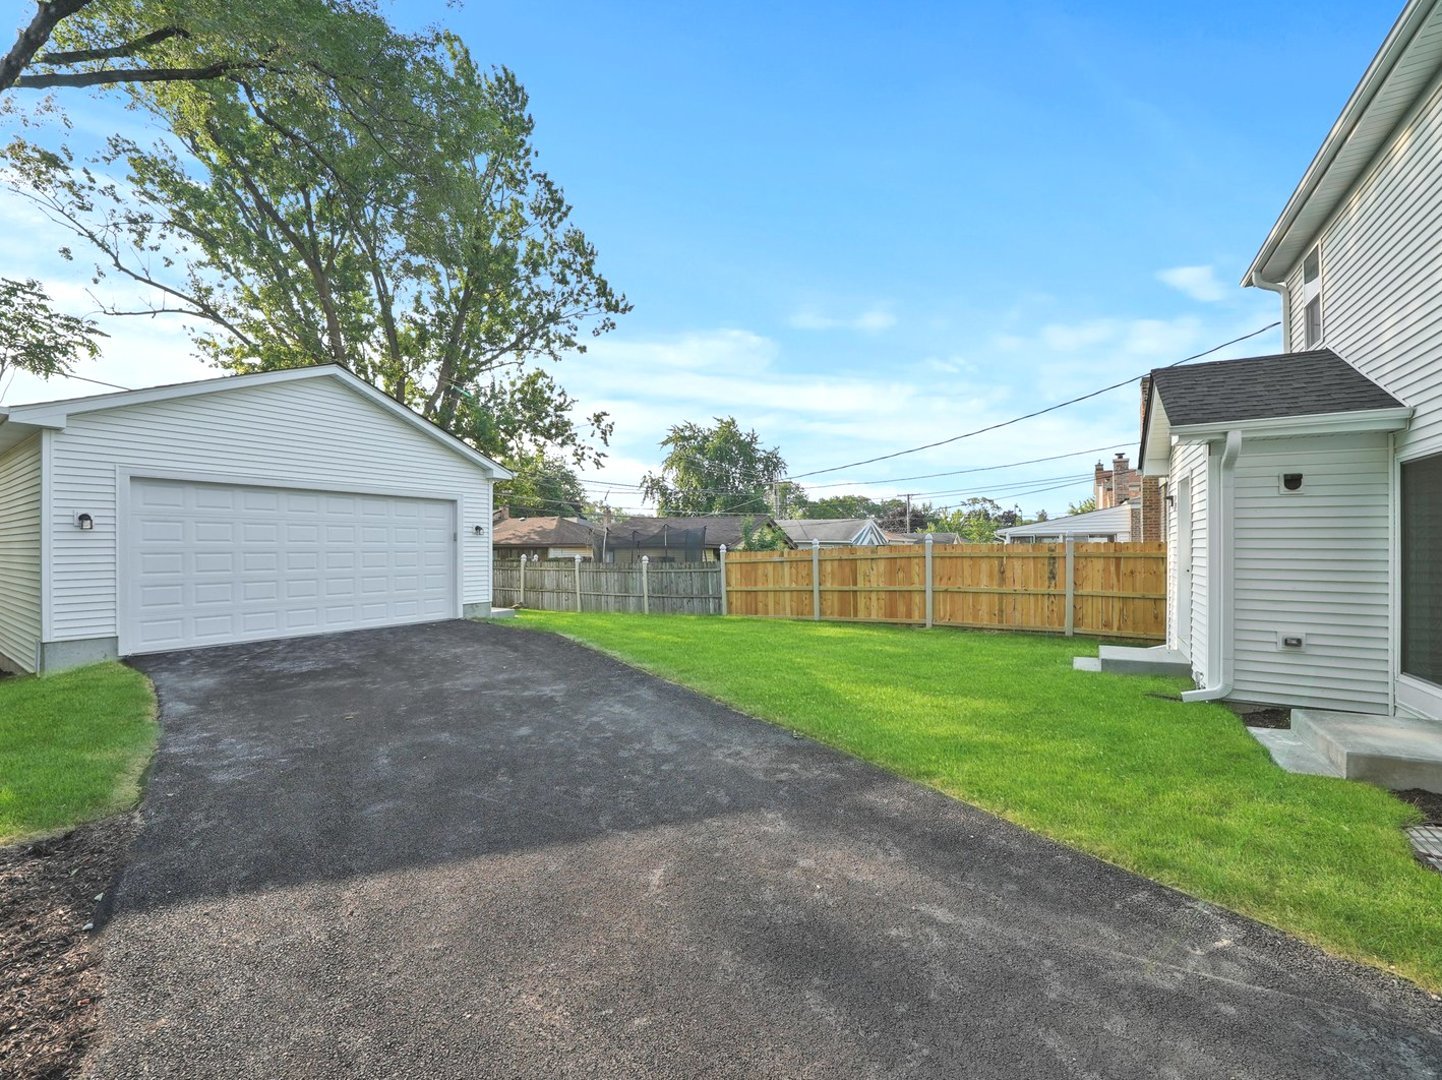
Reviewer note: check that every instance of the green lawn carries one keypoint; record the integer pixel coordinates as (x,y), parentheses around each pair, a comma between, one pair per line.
(72,747)
(1180,793)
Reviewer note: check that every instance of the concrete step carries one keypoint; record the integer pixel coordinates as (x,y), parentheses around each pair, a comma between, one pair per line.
(1292,753)
(1393,751)
(1158,660)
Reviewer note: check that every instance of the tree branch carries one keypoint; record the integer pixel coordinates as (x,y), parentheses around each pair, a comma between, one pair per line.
(128,75)
(115,52)
(37,33)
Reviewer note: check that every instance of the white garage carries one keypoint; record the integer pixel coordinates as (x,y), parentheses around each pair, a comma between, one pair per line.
(236,509)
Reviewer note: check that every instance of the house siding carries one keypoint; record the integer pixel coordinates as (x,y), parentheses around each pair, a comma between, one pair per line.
(1382,274)
(1313,562)
(302,432)
(20,495)
(1191,461)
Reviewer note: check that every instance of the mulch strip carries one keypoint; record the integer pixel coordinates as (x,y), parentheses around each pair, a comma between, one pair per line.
(1429,802)
(50,981)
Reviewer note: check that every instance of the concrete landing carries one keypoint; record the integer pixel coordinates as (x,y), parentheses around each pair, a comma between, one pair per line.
(498,613)
(1128,660)
(1292,753)
(1394,751)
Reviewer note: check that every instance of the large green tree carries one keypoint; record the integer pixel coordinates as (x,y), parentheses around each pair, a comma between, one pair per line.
(544,486)
(373,202)
(34,337)
(714,470)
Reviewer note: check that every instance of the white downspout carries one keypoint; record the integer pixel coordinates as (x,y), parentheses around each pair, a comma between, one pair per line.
(1280,288)
(1222,545)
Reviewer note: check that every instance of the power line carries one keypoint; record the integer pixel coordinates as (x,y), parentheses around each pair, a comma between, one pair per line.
(1030,415)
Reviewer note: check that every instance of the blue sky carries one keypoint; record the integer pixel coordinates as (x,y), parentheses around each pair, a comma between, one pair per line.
(860,227)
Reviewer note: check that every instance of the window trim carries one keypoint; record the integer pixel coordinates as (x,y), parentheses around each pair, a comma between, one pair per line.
(1312,295)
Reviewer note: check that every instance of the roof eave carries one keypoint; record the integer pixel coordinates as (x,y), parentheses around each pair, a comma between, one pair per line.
(1402,34)
(1356,421)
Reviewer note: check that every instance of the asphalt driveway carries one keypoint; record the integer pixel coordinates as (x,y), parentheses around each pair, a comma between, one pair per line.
(462,850)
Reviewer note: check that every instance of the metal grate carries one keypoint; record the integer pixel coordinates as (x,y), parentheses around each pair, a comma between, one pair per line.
(1427,843)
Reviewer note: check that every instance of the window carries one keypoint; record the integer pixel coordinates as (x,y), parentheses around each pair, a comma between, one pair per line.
(1421,571)
(1312,299)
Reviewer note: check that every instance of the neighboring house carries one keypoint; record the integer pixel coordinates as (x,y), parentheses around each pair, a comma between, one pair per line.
(1112,524)
(677,539)
(543,538)
(1305,489)
(1122,485)
(235,509)
(920,538)
(833,532)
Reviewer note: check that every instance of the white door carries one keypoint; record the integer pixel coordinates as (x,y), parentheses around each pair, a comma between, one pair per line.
(1182,507)
(206,564)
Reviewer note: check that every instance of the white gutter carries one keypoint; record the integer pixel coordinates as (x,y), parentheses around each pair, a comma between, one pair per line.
(1280,288)
(1222,555)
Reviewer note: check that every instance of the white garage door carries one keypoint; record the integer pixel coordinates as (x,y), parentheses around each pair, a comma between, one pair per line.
(206,564)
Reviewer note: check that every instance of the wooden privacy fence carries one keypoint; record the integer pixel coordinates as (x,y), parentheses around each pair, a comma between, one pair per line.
(1102,589)
(574,585)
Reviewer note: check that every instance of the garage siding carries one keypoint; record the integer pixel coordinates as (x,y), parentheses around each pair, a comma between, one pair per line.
(1190,460)
(302,432)
(20,485)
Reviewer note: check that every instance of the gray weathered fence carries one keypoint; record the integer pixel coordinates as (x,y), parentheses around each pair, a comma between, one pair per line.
(572,585)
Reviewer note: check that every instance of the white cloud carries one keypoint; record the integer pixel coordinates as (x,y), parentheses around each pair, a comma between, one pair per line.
(1198,282)
(871,321)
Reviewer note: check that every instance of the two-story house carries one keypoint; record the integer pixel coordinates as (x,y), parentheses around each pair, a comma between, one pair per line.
(1303,492)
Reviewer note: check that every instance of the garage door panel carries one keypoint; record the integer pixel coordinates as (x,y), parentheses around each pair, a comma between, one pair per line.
(208,563)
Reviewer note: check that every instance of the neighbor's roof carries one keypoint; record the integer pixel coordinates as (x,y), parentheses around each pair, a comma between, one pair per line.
(18,422)
(542,532)
(827,530)
(920,538)
(1399,74)
(1265,387)
(713,529)
(1109,519)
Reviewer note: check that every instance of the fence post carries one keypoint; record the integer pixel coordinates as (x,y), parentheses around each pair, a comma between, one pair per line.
(929,599)
(578,583)
(723,579)
(1070,585)
(645,585)
(816,579)
(522,601)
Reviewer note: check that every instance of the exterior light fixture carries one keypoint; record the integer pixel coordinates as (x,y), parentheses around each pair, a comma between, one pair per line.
(479,530)
(85,522)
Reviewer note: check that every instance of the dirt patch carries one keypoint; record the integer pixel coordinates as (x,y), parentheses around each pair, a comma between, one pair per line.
(49,963)
(1429,802)
(1262,716)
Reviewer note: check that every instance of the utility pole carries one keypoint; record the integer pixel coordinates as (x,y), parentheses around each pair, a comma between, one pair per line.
(908,513)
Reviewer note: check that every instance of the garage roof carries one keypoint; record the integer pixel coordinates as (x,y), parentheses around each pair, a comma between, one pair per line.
(19,422)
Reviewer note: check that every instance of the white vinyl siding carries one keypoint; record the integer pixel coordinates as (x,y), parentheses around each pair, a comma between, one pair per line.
(1313,562)
(20,487)
(1383,288)
(1190,460)
(304,432)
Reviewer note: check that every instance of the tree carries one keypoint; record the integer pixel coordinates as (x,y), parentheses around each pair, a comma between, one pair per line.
(544,485)
(762,536)
(839,506)
(714,470)
(1041,515)
(379,209)
(135,42)
(36,338)
(894,518)
(1085,506)
(978,519)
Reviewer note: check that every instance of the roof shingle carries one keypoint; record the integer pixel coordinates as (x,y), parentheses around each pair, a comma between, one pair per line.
(1266,387)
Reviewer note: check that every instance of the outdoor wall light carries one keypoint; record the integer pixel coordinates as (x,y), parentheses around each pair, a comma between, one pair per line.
(85,522)
(479,530)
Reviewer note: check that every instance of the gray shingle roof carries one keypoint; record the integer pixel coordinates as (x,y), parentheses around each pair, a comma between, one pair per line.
(834,530)
(1266,387)
(541,532)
